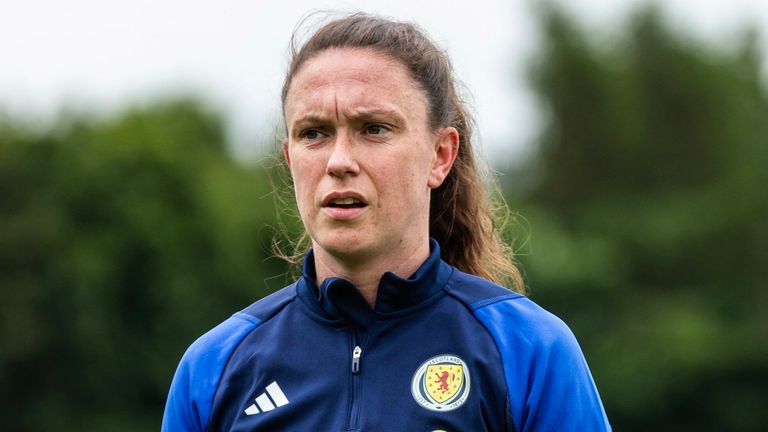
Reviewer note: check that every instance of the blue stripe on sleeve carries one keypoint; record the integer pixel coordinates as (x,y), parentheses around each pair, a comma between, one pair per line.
(194,384)
(549,384)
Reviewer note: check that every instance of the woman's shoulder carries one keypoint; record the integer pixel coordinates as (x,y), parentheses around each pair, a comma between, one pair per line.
(221,340)
(547,377)
(504,311)
(200,369)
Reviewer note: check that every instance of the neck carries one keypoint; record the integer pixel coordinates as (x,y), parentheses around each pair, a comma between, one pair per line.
(366,274)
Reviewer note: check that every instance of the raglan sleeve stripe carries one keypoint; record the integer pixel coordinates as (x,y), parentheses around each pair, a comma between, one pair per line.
(549,384)
(197,377)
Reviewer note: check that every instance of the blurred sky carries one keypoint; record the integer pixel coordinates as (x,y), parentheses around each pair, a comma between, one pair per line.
(98,55)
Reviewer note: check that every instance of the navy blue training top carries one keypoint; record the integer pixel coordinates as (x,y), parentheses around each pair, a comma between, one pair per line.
(440,351)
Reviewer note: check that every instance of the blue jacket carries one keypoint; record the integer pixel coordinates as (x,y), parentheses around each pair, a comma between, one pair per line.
(440,351)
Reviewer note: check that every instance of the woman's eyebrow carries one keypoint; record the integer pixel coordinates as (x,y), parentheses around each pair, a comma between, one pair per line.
(359,114)
(376,113)
(309,119)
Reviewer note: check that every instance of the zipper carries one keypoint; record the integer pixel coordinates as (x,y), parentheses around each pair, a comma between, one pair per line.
(354,405)
(356,354)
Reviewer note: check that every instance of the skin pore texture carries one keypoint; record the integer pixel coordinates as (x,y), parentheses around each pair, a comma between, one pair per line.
(363,161)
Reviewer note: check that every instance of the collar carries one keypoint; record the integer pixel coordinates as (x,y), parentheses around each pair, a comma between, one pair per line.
(338,300)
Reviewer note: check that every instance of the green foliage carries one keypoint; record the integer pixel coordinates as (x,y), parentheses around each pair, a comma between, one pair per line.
(122,241)
(649,221)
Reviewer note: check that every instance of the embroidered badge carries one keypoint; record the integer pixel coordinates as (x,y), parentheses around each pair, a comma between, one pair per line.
(441,383)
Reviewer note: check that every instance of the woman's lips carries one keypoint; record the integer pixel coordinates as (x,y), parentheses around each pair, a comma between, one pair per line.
(344,205)
(344,213)
(342,196)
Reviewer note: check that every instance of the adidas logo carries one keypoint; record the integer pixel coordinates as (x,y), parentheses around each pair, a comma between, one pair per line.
(267,401)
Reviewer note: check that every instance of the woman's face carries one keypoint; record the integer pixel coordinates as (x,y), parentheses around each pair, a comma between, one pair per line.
(361,154)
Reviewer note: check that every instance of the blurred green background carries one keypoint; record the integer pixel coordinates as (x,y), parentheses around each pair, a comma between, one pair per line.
(642,220)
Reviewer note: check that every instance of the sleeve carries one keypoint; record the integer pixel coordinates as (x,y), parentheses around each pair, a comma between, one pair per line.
(549,384)
(197,377)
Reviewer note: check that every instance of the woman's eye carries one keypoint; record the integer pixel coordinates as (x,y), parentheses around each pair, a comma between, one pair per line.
(376,129)
(311,134)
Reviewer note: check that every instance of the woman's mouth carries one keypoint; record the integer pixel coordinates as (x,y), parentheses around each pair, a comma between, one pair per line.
(347,202)
(344,206)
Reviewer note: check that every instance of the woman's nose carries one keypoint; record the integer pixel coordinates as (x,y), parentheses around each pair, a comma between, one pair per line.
(342,160)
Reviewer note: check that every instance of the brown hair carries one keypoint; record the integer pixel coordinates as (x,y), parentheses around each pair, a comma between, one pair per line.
(463,218)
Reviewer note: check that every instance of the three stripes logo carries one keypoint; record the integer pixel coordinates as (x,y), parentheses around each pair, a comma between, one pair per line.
(269,400)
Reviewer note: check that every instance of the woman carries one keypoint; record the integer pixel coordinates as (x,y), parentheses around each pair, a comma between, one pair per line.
(380,333)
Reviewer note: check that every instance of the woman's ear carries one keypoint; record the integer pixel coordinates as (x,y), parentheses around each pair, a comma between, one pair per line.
(285,153)
(446,150)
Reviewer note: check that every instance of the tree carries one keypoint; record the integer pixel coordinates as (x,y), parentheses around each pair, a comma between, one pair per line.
(122,240)
(648,226)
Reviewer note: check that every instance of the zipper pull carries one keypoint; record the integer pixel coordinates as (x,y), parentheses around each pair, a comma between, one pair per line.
(356,353)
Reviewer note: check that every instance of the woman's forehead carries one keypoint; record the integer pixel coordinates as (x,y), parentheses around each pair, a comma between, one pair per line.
(353,78)
(352,57)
